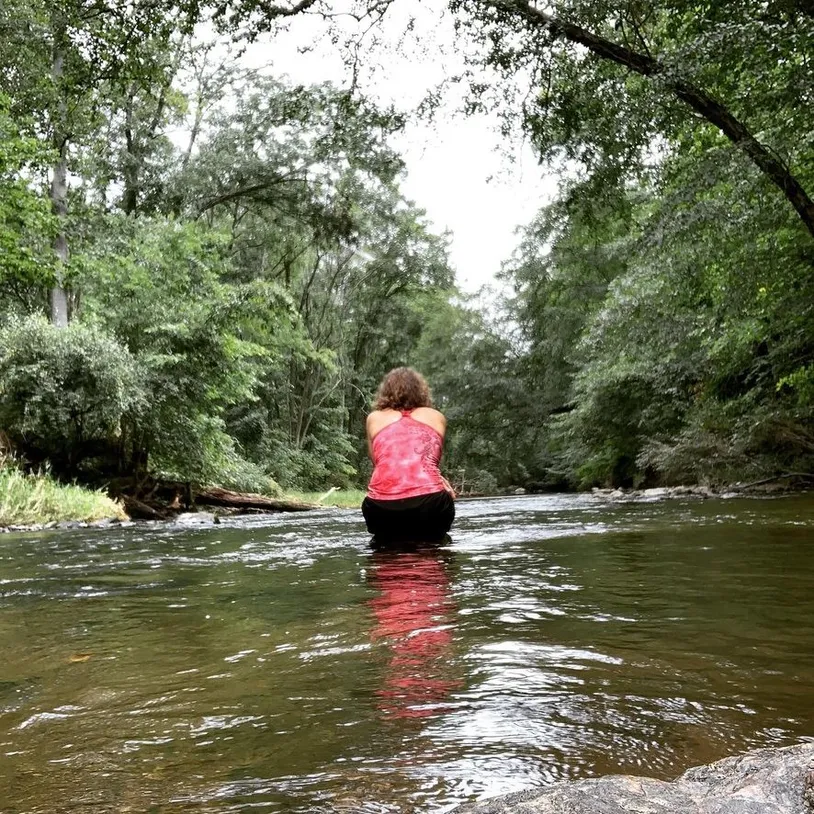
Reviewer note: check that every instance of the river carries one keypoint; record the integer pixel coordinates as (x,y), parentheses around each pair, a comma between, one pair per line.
(278,664)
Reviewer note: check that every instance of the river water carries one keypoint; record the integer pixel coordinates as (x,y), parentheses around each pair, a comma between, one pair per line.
(278,664)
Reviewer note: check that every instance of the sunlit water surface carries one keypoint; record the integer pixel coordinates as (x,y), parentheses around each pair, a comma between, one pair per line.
(277,664)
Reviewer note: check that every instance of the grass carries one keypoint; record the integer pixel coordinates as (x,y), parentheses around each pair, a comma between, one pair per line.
(342,498)
(37,499)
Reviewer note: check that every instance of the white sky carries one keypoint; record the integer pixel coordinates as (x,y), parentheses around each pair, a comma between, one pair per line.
(459,170)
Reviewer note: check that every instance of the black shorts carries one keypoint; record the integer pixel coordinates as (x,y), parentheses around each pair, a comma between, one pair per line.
(426,518)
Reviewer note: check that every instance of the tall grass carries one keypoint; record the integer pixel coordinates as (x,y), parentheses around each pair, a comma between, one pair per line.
(31,499)
(342,498)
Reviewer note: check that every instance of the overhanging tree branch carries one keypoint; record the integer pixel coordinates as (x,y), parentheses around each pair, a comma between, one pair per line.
(698,99)
(246,191)
(275,10)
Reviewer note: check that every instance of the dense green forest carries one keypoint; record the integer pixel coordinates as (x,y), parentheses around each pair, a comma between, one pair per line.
(205,270)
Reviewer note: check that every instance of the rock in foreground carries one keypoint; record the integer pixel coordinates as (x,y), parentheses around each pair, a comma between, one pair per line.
(767,781)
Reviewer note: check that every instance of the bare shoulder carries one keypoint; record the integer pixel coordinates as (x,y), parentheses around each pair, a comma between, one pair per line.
(429,412)
(429,415)
(374,419)
(379,419)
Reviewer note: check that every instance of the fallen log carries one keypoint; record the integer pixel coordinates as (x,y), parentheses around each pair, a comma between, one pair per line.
(740,487)
(138,510)
(215,496)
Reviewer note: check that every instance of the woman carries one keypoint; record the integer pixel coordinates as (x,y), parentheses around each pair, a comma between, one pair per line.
(407,498)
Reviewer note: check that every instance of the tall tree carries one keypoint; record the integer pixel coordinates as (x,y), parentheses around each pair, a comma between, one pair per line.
(85,48)
(25,223)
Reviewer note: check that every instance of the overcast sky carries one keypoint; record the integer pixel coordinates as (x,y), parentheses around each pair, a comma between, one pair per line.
(458,169)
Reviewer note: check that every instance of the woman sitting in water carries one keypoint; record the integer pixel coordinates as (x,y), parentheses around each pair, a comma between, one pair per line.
(407,498)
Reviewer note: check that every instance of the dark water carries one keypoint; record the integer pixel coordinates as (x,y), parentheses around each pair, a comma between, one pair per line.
(280,665)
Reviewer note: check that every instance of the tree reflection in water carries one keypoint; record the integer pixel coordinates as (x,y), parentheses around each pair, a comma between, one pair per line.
(415,618)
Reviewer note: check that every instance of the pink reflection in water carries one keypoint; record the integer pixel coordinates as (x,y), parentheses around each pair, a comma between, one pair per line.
(414,616)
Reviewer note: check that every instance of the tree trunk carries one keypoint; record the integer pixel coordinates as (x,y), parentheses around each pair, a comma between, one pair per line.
(59,182)
(132,159)
(699,100)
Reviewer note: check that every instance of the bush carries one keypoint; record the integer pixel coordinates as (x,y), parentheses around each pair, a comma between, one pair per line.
(740,439)
(480,482)
(64,391)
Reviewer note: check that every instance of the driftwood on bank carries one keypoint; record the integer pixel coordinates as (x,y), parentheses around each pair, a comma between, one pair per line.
(138,510)
(740,487)
(214,496)
(163,499)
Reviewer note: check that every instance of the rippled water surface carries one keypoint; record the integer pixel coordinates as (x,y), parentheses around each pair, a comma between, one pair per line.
(278,664)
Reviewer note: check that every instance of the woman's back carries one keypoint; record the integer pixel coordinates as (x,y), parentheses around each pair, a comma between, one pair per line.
(406,449)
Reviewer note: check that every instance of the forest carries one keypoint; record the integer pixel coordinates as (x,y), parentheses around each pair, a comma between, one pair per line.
(205,269)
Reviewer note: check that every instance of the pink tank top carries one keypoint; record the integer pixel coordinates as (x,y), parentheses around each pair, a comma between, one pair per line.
(406,454)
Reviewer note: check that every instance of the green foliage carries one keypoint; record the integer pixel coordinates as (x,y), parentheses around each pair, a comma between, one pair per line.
(692,363)
(264,278)
(316,465)
(474,372)
(235,302)
(25,220)
(800,382)
(299,154)
(304,181)
(610,81)
(63,393)
(156,285)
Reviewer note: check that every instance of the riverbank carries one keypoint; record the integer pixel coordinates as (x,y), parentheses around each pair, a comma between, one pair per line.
(734,490)
(769,486)
(28,501)
(338,498)
(38,502)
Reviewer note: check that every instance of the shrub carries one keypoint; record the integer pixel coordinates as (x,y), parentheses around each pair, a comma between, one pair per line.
(63,391)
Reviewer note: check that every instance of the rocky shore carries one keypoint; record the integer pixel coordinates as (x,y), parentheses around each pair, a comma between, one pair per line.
(766,781)
(703,492)
(767,488)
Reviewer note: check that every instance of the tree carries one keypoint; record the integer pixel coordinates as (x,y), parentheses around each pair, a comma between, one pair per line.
(25,222)
(306,184)
(599,62)
(663,53)
(84,47)
(159,287)
(257,280)
(688,350)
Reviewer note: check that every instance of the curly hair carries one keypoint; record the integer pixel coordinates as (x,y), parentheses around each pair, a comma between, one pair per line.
(402,389)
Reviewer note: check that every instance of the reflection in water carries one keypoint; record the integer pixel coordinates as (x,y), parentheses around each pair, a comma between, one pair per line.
(414,617)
